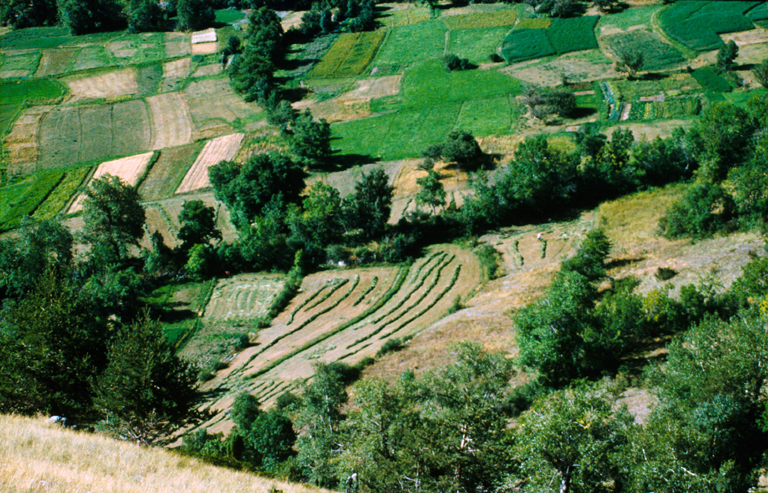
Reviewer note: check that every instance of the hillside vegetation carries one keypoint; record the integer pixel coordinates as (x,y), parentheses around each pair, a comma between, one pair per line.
(387,247)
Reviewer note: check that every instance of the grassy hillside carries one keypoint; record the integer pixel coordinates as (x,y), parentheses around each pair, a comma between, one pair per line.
(38,456)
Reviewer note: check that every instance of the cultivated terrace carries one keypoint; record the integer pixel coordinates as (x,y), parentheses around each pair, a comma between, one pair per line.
(388,247)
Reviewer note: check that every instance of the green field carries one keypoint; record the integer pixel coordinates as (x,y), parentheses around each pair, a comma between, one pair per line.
(526,44)
(409,44)
(476,44)
(627,18)
(20,198)
(562,36)
(670,108)
(59,197)
(657,55)
(711,81)
(29,90)
(481,20)
(696,24)
(229,16)
(349,55)
(492,116)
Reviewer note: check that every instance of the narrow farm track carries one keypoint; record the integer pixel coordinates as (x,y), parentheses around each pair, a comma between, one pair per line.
(344,316)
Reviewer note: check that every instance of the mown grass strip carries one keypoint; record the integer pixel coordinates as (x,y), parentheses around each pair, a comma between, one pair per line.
(440,266)
(456,273)
(402,273)
(370,288)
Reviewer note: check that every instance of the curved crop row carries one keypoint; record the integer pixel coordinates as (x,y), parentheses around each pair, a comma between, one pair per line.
(303,303)
(441,265)
(335,284)
(396,285)
(370,288)
(450,285)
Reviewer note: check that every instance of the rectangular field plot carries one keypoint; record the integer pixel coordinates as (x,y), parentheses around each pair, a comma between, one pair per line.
(405,15)
(476,44)
(657,55)
(106,85)
(22,197)
(349,55)
(128,169)
(573,34)
(398,135)
(90,132)
(171,123)
(526,44)
(29,91)
(626,19)
(673,85)
(246,296)
(54,62)
(217,150)
(429,83)
(481,19)
(219,115)
(91,57)
(667,109)
(483,117)
(696,24)
(409,44)
(19,65)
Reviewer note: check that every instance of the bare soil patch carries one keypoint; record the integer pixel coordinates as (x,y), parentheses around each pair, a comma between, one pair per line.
(204,48)
(215,151)
(14,74)
(54,62)
(171,123)
(108,85)
(744,38)
(292,20)
(208,70)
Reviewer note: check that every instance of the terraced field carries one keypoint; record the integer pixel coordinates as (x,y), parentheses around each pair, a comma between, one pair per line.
(346,316)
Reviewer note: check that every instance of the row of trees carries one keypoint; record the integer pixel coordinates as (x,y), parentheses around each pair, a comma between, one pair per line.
(86,16)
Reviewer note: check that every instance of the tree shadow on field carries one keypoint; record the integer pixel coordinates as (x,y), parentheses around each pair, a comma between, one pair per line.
(293,94)
(341,162)
(579,113)
(622,262)
(654,76)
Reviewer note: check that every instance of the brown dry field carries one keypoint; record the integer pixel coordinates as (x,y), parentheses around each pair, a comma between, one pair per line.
(204,48)
(21,144)
(108,85)
(128,169)
(212,116)
(217,150)
(171,124)
(423,299)
(54,62)
(176,45)
(344,181)
(292,20)
(168,171)
(208,70)
(177,69)
(163,217)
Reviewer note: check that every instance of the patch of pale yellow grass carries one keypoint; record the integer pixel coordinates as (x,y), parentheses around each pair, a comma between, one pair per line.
(36,456)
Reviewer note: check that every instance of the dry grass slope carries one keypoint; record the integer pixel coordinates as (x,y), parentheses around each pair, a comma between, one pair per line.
(36,456)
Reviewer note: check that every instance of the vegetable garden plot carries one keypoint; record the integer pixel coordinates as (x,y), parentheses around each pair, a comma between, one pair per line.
(215,151)
(657,55)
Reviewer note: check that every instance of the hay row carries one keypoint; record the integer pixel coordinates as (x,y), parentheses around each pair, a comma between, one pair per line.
(215,151)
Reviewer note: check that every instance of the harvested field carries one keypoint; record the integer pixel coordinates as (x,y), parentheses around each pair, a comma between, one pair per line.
(215,151)
(346,316)
(21,144)
(204,48)
(292,20)
(108,85)
(755,36)
(91,57)
(208,70)
(215,116)
(579,67)
(84,133)
(128,169)
(206,36)
(177,69)
(54,62)
(243,296)
(481,19)
(171,124)
(176,45)
(375,88)
(168,171)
